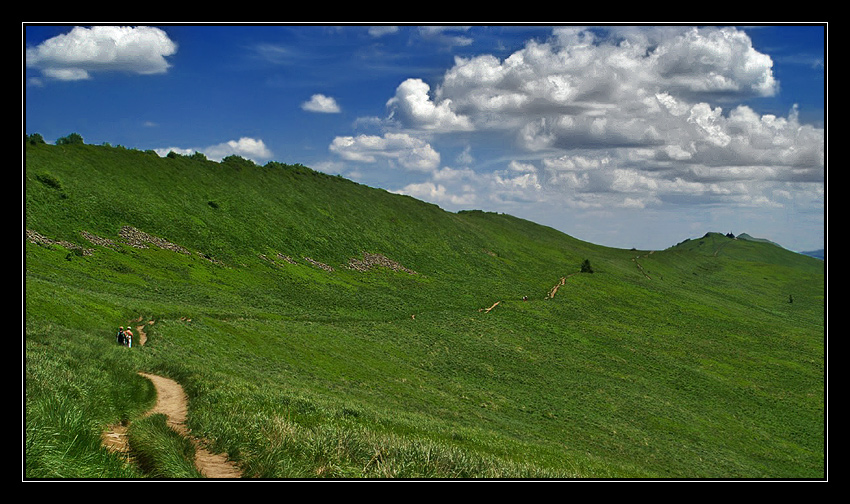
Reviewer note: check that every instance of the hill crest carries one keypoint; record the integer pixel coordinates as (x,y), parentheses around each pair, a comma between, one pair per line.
(327,329)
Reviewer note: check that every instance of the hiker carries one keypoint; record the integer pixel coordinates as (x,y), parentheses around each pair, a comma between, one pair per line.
(128,336)
(120,337)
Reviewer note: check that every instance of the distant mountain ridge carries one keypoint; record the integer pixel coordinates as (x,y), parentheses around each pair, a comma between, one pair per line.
(818,254)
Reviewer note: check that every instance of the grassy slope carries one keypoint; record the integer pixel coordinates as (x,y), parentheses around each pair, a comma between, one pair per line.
(688,362)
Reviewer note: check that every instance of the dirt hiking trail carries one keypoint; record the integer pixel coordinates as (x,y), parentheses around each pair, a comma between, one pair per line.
(140,330)
(172,402)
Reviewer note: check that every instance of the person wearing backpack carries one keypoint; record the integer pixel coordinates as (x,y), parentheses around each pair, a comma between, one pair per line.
(128,335)
(120,337)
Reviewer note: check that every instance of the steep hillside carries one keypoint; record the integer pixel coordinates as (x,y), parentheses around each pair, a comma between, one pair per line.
(322,328)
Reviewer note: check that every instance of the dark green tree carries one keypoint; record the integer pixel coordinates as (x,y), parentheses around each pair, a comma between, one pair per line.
(72,139)
(585,266)
(236,161)
(35,139)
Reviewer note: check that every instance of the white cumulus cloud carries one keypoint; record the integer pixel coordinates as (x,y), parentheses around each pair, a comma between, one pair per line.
(322,104)
(607,118)
(629,117)
(580,87)
(248,148)
(398,148)
(83,51)
(438,194)
(414,107)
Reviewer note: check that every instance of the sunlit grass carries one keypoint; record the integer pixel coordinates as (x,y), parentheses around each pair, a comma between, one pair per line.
(681,363)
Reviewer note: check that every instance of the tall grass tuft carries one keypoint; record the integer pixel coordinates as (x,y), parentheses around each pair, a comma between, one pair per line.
(159,451)
(62,442)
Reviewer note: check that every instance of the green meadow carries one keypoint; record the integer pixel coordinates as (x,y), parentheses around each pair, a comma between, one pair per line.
(326,329)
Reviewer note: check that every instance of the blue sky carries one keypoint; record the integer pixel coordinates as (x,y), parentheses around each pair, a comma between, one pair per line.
(626,136)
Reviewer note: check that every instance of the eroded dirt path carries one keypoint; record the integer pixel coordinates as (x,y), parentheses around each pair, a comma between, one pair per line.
(558,285)
(172,402)
(140,331)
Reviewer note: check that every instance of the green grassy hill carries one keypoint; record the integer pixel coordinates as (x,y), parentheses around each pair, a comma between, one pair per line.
(322,328)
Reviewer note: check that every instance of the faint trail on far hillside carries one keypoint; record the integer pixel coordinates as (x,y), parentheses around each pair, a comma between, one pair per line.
(561,283)
(487,310)
(643,271)
(719,248)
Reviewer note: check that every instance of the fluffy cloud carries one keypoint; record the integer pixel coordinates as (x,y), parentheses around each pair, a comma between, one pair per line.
(322,104)
(635,89)
(714,62)
(437,193)
(459,188)
(579,88)
(631,118)
(413,107)
(607,122)
(397,148)
(82,51)
(770,147)
(248,148)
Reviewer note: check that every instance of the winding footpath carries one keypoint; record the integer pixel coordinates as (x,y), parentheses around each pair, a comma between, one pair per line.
(172,402)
